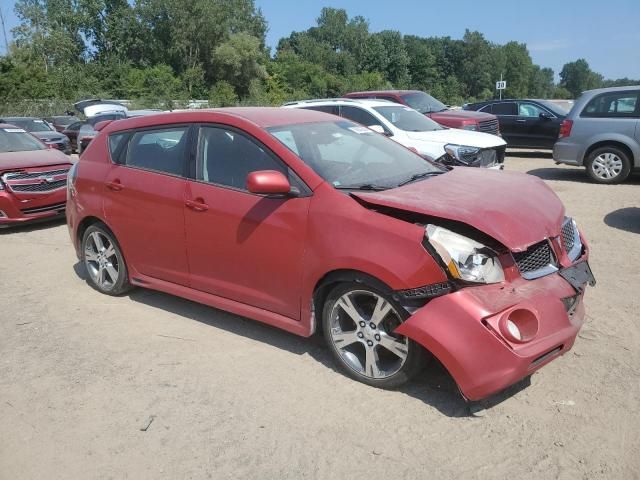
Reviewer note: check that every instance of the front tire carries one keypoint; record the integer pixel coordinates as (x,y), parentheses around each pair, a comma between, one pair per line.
(608,165)
(358,323)
(104,262)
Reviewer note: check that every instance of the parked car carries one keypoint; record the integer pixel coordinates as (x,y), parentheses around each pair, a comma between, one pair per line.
(436,110)
(602,132)
(62,122)
(306,221)
(413,130)
(41,129)
(33,178)
(87,132)
(525,123)
(72,134)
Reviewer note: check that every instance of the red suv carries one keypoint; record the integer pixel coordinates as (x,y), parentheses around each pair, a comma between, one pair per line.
(308,222)
(33,178)
(436,110)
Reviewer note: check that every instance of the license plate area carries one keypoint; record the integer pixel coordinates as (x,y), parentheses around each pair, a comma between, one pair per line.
(579,275)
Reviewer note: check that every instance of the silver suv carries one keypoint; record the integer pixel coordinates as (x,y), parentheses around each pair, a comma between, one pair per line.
(602,132)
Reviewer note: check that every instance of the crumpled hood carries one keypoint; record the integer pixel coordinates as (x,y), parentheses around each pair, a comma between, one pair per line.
(516,209)
(459,137)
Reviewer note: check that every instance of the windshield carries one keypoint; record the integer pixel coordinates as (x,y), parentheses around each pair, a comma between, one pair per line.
(407,119)
(423,102)
(31,124)
(65,120)
(348,155)
(555,108)
(17,140)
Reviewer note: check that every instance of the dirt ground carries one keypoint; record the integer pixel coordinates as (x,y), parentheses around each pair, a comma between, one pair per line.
(153,386)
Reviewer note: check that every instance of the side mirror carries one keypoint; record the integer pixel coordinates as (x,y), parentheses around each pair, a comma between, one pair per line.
(379,129)
(544,116)
(268,182)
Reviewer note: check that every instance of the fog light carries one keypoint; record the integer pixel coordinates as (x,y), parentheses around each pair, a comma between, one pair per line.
(519,325)
(513,330)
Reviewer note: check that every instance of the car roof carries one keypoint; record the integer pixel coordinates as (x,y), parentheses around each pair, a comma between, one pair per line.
(7,125)
(382,92)
(370,102)
(263,117)
(20,118)
(613,89)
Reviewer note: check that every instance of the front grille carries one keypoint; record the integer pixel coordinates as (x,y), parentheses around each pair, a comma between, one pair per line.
(428,291)
(36,182)
(536,260)
(489,126)
(25,175)
(47,208)
(39,187)
(568,235)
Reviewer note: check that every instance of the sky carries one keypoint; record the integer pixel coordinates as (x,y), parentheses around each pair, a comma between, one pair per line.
(606,34)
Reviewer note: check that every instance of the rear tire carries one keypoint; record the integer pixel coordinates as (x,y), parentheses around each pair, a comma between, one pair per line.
(104,262)
(608,165)
(358,323)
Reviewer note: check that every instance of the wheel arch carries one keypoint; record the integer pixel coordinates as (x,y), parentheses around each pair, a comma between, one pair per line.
(617,143)
(329,280)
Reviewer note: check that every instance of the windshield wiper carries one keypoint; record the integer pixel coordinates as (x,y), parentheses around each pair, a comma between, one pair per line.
(418,176)
(365,186)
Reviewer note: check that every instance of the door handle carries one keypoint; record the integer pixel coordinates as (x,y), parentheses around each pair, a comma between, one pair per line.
(521,121)
(197,205)
(115,185)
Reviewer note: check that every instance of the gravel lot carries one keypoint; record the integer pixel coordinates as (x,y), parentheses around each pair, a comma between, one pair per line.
(82,376)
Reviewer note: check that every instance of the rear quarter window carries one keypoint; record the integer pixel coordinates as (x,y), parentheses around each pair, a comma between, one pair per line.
(613,104)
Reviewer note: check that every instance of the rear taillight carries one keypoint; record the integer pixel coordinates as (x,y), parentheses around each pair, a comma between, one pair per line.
(565,128)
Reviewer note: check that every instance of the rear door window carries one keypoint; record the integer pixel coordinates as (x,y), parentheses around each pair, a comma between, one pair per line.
(613,104)
(506,108)
(162,150)
(529,110)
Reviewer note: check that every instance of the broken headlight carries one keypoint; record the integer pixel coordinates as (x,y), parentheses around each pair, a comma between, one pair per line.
(465,259)
(462,153)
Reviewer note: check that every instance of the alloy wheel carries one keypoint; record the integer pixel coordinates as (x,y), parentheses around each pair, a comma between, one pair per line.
(362,325)
(101,260)
(607,166)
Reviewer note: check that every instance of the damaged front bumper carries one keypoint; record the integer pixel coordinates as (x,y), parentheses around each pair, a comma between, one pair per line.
(465,330)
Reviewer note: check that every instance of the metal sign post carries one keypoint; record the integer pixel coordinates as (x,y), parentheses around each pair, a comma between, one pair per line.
(501,85)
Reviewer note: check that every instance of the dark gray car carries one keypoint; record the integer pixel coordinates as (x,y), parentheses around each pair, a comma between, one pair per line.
(42,130)
(602,132)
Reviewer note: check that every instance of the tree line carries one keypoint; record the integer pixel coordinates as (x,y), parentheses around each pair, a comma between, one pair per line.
(160,51)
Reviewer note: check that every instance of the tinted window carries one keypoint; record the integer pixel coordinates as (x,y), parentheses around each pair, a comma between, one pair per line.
(160,150)
(226,157)
(507,108)
(614,104)
(529,110)
(423,102)
(17,140)
(332,109)
(64,121)
(486,108)
(74,127)
(360,116)
(116,144)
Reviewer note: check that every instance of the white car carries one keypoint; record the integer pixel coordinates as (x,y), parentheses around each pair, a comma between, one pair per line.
(413,130)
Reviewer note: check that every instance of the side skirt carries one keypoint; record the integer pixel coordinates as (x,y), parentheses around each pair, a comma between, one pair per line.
(285,323)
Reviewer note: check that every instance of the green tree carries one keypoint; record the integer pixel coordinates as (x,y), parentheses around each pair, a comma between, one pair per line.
(222,94)
(517,70)
(238,61)
(577,77)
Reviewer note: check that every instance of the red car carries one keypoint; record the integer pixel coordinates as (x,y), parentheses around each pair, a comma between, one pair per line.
(310,222)
(436,110)
(33,178)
